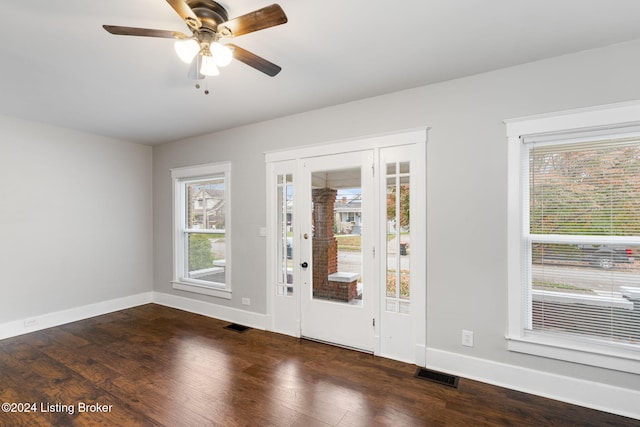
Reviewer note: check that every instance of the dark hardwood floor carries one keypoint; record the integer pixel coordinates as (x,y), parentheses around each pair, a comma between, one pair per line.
(156,366)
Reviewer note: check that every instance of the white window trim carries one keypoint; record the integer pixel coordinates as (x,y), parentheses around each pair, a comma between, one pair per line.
(179,176)
(582,351)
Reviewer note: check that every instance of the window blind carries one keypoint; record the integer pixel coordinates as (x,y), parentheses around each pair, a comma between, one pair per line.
(582,237)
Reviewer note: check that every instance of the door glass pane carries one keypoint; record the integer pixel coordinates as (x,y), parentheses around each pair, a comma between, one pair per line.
(337,236)
(398,290)
(284,281)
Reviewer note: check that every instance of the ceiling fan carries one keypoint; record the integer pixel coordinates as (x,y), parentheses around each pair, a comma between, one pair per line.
(209,24)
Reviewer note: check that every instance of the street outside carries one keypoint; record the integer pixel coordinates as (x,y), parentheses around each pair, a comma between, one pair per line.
(584,277)
(588,277)
(351,261)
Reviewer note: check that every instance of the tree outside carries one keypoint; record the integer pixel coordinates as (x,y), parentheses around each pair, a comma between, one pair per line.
(404,205)
(200,255)
(585,191)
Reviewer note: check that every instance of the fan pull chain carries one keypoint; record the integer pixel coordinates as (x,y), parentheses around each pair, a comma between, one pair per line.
(206,89)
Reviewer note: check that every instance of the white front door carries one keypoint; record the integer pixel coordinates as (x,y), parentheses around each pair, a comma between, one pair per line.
(337,249)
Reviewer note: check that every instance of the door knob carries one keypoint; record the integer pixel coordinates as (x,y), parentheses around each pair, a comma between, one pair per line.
(304,264)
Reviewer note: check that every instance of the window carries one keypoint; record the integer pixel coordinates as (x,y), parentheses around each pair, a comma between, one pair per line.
(574,237)
(202,229)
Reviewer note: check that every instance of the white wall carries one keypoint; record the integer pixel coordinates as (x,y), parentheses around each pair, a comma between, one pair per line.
(75,219)
(466,191)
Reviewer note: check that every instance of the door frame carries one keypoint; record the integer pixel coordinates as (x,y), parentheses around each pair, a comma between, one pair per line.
(283,312)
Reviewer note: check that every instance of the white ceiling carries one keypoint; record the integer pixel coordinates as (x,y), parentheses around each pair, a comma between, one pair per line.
(60,67)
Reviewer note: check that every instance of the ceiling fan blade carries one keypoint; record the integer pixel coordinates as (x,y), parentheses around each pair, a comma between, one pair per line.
(186,13)
(145,32)
(255,61)
(260,19)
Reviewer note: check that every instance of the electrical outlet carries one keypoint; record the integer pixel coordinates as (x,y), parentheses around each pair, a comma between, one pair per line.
(28,323)
(246,301)
(467,338)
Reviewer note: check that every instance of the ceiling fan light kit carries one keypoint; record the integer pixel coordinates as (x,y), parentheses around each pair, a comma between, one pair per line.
(209,24)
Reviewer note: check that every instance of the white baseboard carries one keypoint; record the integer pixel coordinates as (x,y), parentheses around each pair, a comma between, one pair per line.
(603,397)
(228,314)
(49,320)
(421,352)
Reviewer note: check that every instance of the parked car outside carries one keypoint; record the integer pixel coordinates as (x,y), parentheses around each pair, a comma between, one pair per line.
(607,256)
(601,256)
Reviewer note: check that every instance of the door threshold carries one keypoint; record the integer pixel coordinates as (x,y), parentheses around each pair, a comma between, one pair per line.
(337,345)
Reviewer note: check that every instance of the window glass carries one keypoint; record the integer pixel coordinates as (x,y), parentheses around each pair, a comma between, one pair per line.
(205,204)
(205,229)
(284,281)
(398,290)
(584,224)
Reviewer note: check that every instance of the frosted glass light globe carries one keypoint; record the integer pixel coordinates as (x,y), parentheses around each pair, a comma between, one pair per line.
(187,49)
(208,67)
(221,54)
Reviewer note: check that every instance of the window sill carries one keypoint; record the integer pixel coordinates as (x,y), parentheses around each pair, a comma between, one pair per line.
(202,289)
(619,359)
